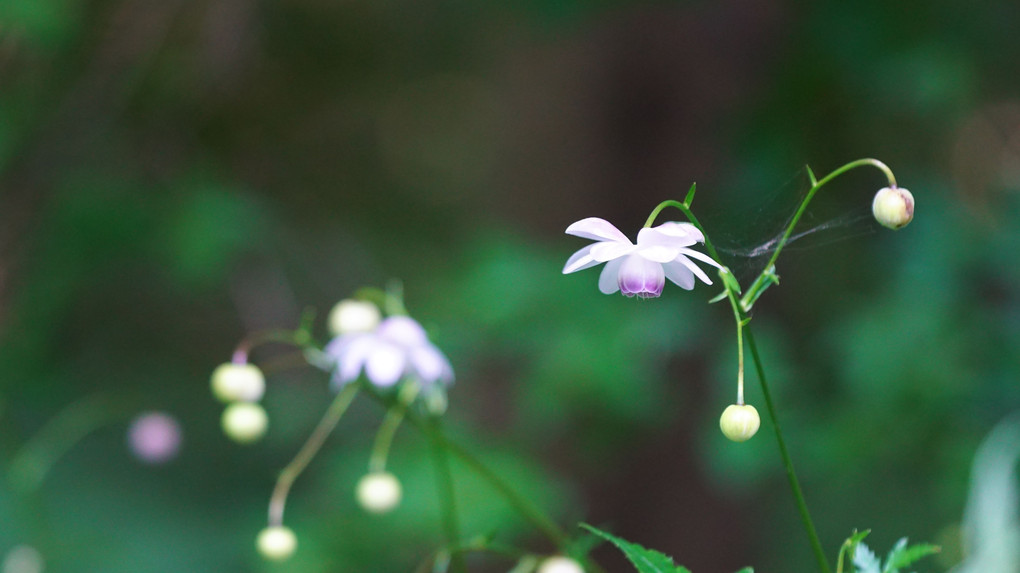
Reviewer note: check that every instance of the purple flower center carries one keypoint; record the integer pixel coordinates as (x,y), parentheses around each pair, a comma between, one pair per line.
(641,278)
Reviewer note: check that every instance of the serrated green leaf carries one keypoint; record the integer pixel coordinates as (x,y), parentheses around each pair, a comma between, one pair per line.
(865,560)
(690,195)
(645,560)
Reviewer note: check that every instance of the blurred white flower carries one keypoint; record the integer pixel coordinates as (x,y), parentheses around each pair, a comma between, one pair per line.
(640,269)
(398,347)
(276,543)
(23,559)
(154,437)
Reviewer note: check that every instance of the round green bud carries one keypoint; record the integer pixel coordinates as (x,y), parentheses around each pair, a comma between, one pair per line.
(560,564)
(276,543)
(739,423)
(378,492)
(244,422)
(893,207)
(350,315)
(238,383)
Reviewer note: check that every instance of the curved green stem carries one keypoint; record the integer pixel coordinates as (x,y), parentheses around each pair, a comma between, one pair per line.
(35,459)
(767,275)
(791,475)
(388,429)
(336,410)
(686,209)
(447,499)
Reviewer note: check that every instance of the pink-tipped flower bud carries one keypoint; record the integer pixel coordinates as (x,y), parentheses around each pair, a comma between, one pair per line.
(893,207)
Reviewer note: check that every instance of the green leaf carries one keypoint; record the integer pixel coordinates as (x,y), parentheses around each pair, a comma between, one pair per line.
(646,560)
(690,195)
(865,560)
(903,556)
(729,280)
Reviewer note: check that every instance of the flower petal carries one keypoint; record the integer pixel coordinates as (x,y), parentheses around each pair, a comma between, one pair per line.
(701,257)
(609,250)
(679,274)
(402,330)
(582,259)
(694,269)
(431,365)
(596,229)
(641,277)
(686,231)
(385,364)
(350,353)
(609,281)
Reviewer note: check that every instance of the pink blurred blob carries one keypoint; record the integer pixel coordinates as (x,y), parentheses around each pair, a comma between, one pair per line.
(154,437)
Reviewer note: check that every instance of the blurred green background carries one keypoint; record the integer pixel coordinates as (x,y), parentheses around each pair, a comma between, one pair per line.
(175,174)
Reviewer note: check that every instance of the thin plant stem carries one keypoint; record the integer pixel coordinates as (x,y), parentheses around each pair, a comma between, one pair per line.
(388,429)
(311,447)
(522,505)
(740,344)
(447,497)
(814,189)
(767,273)
(33,462)
(791,475)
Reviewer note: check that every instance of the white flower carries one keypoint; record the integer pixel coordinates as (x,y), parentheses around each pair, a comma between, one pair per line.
(640,269)
(398,347)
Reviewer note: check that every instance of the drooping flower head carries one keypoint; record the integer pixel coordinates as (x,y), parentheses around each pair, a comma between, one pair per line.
(640,269)
(396,349)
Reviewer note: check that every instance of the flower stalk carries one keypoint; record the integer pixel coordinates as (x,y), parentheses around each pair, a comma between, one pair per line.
(336,410)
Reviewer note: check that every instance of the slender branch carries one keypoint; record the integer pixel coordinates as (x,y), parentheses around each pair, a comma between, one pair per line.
(447,498)
(311,447)
(690,217)
(388,429)
(740,342)
(760,282)
(791,475)
(33,462)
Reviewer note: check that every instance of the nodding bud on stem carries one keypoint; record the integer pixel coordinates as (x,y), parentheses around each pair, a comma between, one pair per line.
(351,315)
(893,207)
(244,422)
(378,492)
(238,383)
(560,564)
(276,543)
(739,422)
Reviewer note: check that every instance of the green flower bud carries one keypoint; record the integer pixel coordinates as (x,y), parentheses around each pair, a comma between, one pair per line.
(244,422)
(351,315)
(893,207)
(560,564)
(238,383)
(378,492)
(276,543)
(739,423)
